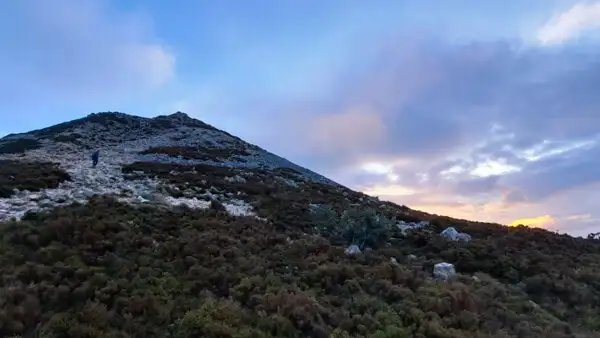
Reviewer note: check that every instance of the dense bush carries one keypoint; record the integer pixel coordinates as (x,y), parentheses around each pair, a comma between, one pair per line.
(18,146)
(32,176)
(361,227)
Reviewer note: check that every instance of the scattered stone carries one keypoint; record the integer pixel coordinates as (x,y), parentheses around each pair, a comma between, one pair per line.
(235,179)
(406,227)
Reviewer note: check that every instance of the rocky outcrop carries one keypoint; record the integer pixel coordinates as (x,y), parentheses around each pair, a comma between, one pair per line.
(453,235)
(123,139)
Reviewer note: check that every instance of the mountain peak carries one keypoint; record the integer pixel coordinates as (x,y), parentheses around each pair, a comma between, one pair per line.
(124,140)
(179,115)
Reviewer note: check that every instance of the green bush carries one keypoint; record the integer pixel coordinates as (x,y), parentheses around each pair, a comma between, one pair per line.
(362,227)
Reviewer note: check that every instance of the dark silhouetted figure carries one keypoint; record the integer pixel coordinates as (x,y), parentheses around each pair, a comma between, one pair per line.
(95,157)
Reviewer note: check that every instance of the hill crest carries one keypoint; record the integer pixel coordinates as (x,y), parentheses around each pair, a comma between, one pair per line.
(124,139)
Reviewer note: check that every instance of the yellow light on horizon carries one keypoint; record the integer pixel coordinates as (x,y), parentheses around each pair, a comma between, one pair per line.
(536,222)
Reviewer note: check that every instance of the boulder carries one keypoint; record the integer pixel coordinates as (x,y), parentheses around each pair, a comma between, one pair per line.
(443,271)
(353,250)
(453,235)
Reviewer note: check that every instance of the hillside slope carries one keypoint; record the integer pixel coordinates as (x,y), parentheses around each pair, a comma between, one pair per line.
(183,230)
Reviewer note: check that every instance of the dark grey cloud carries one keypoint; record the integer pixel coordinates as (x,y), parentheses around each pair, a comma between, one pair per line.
(546,177)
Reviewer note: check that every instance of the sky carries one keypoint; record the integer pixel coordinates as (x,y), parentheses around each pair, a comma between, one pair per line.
(482,110)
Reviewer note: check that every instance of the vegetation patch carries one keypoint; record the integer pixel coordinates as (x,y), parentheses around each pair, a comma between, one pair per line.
(287,206)
(18,146)
(107,269)
(558,272)
(361,227)
(32,176)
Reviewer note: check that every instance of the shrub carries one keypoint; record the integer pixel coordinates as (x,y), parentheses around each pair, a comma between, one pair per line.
(362,227)
(32,176)
(19,146)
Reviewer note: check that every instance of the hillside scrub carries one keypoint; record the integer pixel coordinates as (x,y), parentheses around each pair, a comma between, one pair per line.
(18,146)
(26,175)
(107,269)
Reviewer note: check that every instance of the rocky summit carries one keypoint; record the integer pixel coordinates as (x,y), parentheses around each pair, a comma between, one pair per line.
(122,140)
(183,230)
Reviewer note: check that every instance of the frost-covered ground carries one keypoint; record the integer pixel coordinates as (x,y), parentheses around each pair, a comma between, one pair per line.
(119,145)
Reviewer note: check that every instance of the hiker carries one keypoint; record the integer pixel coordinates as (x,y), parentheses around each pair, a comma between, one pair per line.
(95,157)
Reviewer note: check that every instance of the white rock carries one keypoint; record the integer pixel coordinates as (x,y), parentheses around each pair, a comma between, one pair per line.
(238,208)
(443,271)
(451,234)
(352,250)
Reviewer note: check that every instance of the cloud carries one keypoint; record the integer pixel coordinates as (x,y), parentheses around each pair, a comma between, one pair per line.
(578,19)
(580,217)
(478,88)
(491,131)
(78,51)
(498,127)
(543,178)
(351,133)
